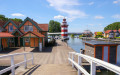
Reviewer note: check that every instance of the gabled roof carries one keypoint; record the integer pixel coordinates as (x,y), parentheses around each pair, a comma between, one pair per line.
(44,27)
(112,31)
(32,21)
(16,30)
(34,33)
(11,21)
(4,34)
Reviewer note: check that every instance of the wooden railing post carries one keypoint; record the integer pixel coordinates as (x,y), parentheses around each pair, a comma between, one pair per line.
(70,58)
(73,60)
(12,65)
(79,63)
(93,68)
(25,60)
(32,59)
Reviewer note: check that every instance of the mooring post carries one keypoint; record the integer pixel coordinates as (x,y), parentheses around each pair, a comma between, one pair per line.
(93,68)
(12,65)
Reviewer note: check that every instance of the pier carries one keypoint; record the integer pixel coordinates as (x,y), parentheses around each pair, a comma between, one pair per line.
(56,60)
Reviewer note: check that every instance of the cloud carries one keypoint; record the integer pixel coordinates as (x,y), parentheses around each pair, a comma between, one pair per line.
(91,3)
(99,17)
(68,7)
(18,14)
(117,16)
(59,17)
(117,1)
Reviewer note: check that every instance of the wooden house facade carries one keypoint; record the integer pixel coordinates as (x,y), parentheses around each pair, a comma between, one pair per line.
(28,33)
(106,51)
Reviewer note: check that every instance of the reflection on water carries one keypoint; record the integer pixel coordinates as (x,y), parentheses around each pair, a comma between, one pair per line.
(76,44)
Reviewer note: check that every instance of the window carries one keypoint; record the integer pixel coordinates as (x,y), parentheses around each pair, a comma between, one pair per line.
(28,28)
(10,28)
(26,39)
(11,40)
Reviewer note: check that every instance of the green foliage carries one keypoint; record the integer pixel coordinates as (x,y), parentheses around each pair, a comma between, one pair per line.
(3,18)
(113,26)
(99,33)
(99,36)
(117,37)
(80,36)
(17,20)
(54,26)
(72,35)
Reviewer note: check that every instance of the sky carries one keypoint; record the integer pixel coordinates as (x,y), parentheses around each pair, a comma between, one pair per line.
(81,15)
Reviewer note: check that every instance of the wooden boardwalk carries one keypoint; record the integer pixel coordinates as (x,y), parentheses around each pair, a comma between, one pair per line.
(51,62)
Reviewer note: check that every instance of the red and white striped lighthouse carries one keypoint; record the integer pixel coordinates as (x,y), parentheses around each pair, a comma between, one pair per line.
(64,29)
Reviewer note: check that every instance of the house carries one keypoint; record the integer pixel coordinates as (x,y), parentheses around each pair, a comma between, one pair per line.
(100,33)
(106,51)
(111,33)
(28,33)
(87,33)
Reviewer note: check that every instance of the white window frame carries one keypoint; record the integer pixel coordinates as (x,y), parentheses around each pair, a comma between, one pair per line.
(10,29)
(28,28)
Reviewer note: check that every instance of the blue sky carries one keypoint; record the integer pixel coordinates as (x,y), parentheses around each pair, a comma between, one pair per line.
(81,14)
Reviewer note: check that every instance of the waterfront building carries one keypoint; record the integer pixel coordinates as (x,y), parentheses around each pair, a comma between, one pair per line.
(112,33)
(106,51)
(64,29)
(28,33)
(87,33)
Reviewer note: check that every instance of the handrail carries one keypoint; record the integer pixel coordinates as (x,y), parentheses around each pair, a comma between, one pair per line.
(12,67)
(93,61)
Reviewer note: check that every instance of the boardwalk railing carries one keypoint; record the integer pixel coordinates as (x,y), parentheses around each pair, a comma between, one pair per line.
(13,65)
(93,62)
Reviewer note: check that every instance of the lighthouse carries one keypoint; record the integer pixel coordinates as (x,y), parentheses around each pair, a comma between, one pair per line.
(64,30)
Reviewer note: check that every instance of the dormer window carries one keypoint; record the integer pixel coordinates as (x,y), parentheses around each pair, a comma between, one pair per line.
(11,28)
(28,28)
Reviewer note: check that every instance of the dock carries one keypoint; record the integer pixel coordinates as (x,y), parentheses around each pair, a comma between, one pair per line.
(52,61)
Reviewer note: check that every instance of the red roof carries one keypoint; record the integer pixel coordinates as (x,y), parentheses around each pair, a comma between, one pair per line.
(95,33)
(108,31)
(44,27)
(35,33)
(3,34)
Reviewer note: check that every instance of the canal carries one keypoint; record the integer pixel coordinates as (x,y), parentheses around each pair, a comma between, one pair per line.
(77,44)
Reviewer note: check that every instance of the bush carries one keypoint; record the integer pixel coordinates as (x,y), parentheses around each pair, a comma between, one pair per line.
(80,36)
(98,36)
(117,37)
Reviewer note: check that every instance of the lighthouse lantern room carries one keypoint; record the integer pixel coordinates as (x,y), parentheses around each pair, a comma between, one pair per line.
(64,29)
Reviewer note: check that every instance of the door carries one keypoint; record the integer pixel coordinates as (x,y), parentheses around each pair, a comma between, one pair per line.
(16,41)
(112,54)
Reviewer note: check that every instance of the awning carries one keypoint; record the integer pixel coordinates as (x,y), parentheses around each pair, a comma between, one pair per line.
(4,34)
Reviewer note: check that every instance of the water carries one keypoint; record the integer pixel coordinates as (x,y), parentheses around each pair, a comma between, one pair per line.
(77,44)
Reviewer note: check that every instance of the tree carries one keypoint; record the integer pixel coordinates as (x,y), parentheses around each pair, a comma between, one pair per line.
(54,26)
(3,18)
(113,26)
(17,20)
